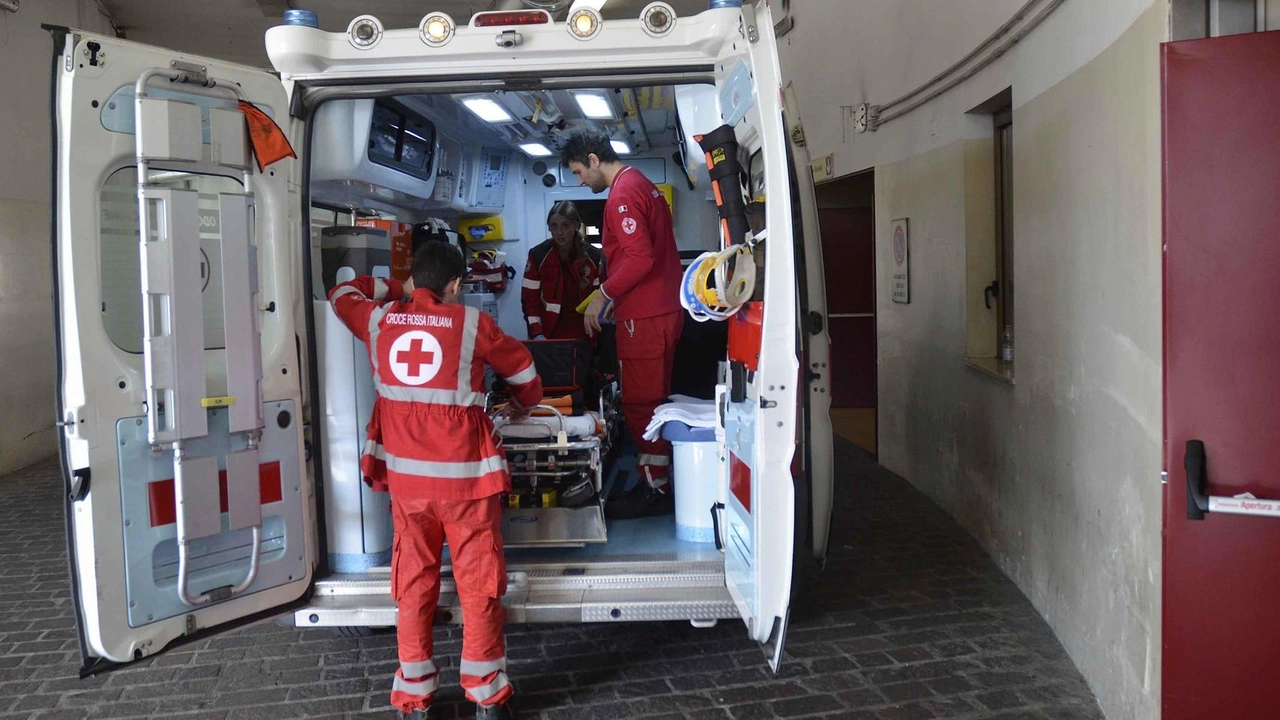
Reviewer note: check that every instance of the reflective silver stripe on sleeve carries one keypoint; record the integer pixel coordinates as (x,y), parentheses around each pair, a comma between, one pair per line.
(375,317)
(345,290)
(524,376)
(470,328)
(467,470)
(422,688)
(488,690)
(534,319)
(380,288)
(553,307)
(532,284)
(419,669)
(456,398)
(480,668)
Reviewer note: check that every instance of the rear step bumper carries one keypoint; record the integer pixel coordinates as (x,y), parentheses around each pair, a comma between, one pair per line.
(653,591)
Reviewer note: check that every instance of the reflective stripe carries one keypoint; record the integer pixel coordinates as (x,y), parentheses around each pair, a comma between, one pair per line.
(465,470)
(422,688)
(380,288)
(553,307)
(417,669)
(595,283)
(484,692)
(480,668)
(524,376)
(534,319)
(452,398)
(344,290)
(375,317)
(470,328)
(532,284)
(658,460)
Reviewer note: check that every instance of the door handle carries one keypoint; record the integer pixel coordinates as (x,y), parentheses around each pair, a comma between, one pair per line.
(1200,502)
(990,291)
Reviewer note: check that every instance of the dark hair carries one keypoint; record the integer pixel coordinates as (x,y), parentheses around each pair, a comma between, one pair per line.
(436,264)
(585,142)
(567,209)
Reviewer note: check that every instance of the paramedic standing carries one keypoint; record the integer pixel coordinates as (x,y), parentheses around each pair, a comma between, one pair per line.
(643,294)
(561,273)
(430,442)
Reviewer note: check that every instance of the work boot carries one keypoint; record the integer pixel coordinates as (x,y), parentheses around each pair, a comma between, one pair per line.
(501,711)
(641,501)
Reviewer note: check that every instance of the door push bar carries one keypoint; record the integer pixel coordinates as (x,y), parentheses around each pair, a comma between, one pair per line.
(1199,503)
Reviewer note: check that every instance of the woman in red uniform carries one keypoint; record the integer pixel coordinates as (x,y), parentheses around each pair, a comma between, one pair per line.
(561,273)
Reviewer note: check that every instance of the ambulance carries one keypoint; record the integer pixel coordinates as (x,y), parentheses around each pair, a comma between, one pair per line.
(212,411)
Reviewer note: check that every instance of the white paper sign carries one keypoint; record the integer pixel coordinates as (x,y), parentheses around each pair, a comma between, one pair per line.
(901,261)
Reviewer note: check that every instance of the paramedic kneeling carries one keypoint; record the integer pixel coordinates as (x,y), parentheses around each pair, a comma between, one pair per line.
(643,293)
(431,443)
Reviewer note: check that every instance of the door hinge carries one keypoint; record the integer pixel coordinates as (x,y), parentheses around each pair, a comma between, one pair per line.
(749,22)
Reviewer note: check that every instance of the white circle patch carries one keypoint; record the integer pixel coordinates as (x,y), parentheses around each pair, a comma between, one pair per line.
(416,357)
(628,225)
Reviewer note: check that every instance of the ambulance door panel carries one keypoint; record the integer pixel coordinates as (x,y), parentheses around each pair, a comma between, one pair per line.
(178,382)
(760,416)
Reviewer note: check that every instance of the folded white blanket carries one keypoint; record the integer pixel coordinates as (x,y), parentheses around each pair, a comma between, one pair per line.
(690,411)
(535,428)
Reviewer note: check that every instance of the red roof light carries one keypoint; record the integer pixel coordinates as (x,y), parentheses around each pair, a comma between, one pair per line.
(514,17)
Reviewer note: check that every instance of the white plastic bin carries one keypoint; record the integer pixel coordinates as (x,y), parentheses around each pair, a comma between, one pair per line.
(694,473)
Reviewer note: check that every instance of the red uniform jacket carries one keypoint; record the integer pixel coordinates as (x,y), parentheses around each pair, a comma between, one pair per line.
(429,436)
(553,288)
(640,248)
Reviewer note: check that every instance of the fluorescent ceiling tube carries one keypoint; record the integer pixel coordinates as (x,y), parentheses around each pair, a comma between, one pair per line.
(488,110)
(620,147)
(594,106)
(535,149)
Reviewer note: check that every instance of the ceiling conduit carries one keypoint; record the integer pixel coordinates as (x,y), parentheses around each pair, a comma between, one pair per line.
(873,116)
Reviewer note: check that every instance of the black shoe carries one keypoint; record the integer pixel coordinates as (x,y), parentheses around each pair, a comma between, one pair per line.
(505,711)
(641,501)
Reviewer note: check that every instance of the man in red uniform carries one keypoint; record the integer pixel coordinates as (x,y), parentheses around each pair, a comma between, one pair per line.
(643,293)
(431,443)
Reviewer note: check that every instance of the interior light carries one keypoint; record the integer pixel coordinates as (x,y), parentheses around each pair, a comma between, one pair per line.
(584,23)
(595,106)
(658,18)
(535,149)
(364,32)
(436,29)
(488,110)
(620,147)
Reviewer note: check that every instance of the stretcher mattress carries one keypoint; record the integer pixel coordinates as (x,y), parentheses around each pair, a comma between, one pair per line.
(536,427)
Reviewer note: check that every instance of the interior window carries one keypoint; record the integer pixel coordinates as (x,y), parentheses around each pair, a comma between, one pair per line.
(120,260)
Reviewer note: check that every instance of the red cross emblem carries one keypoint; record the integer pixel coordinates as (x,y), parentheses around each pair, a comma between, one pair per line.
(415,357)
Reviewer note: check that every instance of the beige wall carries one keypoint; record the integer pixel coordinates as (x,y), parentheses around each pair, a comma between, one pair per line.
(1058,475)
(26,314)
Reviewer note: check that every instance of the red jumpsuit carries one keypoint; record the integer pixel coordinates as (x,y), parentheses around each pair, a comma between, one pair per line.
(430,441)
(554,286)
(644,284)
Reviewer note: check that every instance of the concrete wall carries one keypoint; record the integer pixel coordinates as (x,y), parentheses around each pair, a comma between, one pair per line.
(26,312)
(1058,475)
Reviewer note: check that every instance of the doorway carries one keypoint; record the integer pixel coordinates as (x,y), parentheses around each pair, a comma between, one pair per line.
(846,216)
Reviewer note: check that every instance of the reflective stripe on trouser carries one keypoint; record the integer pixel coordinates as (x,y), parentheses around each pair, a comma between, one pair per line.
(415,685)
(646,351)
(473,529)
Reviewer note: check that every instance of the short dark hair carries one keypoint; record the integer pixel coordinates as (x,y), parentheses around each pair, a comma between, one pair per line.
(585,142)
(436,264)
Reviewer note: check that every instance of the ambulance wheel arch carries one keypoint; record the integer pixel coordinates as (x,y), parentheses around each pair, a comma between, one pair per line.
(102,387)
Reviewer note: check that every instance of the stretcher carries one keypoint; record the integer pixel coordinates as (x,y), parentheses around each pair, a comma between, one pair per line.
(556,457)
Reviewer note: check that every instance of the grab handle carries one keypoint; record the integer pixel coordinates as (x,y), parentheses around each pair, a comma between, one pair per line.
(1200,503)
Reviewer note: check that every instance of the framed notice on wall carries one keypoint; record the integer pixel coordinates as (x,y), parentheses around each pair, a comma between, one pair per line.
(901,261)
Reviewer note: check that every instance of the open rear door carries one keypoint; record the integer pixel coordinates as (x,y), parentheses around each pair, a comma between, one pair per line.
(178,389)
(760,407)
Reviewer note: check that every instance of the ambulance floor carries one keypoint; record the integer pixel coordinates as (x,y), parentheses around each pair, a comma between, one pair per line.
(910,619)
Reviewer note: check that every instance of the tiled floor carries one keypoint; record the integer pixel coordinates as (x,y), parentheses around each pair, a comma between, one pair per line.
(911,621)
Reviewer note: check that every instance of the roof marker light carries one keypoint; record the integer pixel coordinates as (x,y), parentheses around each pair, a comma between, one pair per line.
(535,149)
(584,23)
(364,32)
(512,17)
(658,18)
(595,106)
(436,29)
(488,110)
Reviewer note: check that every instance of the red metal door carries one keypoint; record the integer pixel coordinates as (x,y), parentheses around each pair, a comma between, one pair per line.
(1222,375)
(848,259)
